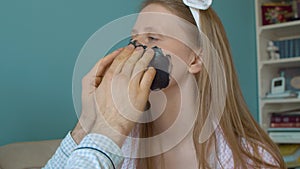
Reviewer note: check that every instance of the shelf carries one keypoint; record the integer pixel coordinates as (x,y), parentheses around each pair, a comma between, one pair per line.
(281,30)
(268,69)
(276,101)
(289,62)
(279,25)
(285,137)
(286,141)
(283,129)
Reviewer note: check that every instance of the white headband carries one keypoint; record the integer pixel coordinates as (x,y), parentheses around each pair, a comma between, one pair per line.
(195,5)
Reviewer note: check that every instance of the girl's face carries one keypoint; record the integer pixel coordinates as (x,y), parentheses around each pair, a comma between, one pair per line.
(157,26)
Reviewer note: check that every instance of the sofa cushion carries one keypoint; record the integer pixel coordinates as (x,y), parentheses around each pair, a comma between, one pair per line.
(27,155)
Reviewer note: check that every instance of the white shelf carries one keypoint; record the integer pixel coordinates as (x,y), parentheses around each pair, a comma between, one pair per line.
(279,26)
(285,137)
(280,61)
(268,69)
(276,101)
(289,62)
(280,31)
(283,129)
(286,141)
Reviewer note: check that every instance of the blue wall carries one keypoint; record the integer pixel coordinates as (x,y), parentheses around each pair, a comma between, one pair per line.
(39,43)
(238,18)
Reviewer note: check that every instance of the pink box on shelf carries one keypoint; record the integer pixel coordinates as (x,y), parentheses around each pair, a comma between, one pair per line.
(276,13)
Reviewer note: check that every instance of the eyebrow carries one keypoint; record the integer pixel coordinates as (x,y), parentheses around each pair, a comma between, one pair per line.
(146,30)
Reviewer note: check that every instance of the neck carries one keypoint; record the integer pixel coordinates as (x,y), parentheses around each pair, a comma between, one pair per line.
(179,114)
(178,99)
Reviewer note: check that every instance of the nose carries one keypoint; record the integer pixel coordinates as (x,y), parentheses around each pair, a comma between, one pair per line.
(138,41)
(136,44)
(141,40)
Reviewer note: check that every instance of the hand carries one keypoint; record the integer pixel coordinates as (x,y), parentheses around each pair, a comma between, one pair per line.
(89,84)
(124,91)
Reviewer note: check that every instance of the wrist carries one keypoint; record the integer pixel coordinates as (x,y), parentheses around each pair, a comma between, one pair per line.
(78,133)
(111,133)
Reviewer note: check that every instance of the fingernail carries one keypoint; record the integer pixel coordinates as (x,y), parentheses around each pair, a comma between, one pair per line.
(150,51)
(151,68)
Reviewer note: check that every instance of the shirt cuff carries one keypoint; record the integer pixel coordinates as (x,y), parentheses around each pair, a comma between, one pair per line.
(104,144)
(68,145)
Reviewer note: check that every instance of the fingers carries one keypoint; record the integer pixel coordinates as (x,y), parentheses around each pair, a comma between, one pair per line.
(98,71)
(147,79)
(106,61)
(102,64)
(130,63)
(141,66)
(118,62)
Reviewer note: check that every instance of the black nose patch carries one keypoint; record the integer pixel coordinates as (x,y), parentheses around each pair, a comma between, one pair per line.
(162,65)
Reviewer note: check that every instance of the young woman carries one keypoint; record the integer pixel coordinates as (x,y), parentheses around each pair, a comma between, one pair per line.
(202,108)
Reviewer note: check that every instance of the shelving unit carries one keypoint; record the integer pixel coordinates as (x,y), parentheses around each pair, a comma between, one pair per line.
(268,69)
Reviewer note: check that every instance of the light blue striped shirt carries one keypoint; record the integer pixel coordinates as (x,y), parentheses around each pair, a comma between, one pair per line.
(94,152)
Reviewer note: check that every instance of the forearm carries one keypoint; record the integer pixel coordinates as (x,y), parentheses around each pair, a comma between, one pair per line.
(96,152)
(78,133)
(59,159)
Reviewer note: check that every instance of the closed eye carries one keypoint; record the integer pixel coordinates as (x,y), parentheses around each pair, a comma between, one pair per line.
(152,38)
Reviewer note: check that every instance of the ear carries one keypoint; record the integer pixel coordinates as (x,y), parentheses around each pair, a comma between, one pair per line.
(195,65)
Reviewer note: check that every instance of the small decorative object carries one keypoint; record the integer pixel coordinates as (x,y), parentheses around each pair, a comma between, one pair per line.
(295,82)
(278,84)
(292,77)
(296,8)
(278,89)
(276,13)
(273,51)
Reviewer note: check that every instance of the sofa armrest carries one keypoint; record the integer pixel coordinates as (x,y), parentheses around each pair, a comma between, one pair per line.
(27,155)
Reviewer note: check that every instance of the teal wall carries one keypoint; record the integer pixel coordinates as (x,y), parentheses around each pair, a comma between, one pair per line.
(238,18)
(39,43)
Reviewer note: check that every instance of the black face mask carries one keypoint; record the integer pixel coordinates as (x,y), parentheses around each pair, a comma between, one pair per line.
(162,65)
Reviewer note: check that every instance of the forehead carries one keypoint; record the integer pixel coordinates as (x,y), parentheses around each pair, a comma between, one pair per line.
(156,8)
(155,18)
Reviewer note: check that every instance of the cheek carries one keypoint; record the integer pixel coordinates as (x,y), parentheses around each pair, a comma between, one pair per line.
(179,69)
(180,58)
(179,50)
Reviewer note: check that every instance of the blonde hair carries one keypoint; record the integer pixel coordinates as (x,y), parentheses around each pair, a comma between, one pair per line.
(236,124)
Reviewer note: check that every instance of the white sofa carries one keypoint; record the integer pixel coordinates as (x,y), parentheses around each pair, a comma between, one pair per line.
(27,155)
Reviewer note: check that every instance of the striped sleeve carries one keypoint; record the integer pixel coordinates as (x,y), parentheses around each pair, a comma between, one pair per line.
(95,152)
(62,154)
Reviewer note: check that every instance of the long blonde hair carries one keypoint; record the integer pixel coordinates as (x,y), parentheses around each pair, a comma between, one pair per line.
(237,124)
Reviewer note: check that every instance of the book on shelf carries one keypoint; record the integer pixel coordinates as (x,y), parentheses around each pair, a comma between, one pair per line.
(285,125)
(288,48)
(285,119)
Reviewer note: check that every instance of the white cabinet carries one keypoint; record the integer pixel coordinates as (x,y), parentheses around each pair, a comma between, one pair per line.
(268,69)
